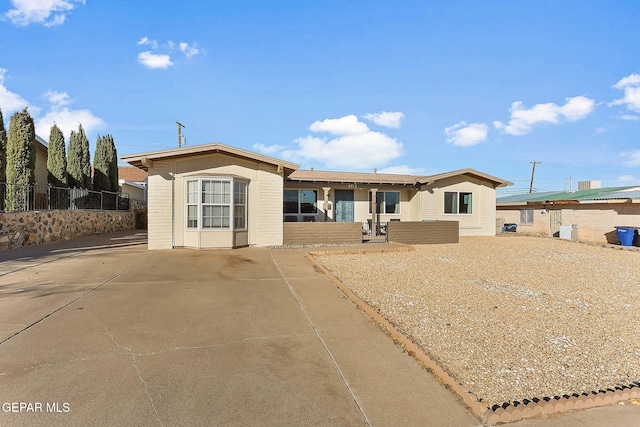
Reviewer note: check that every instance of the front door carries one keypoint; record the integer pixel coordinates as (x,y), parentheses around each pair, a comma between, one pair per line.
(555,221)
(344,205)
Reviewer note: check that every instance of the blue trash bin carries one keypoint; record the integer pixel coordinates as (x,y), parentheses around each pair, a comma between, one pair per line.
(626,235)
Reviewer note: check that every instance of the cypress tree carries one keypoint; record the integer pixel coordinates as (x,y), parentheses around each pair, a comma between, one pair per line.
(113,165)
(79,162)
(101,162)
(21,160)
(3,151)
(57,158)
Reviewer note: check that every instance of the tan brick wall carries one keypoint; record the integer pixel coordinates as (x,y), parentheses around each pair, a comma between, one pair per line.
(160,203)
(306,233)
(596,222)
(423,232)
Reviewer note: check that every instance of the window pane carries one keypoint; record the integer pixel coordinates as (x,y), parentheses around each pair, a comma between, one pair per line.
(465,203)
(290,204)
(308,201)
(207,191)
(239,193)
(239,220)
(192,191)
(192,216)
(450,202)
(392,202)
(526,216)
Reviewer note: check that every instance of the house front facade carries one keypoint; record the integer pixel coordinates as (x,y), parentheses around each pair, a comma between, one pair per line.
(217,196)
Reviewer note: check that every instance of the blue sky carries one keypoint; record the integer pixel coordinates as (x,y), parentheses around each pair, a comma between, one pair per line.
(416,87)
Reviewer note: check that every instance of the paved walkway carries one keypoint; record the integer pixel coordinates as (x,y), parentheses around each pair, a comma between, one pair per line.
(101,331)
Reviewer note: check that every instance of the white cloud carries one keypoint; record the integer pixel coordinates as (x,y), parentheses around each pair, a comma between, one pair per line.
(46,12)
(59,99)
(630,117)
(189,51)
(268,149)
(464,135)
(403,170)
(347,125)
(68,120)
(154,60)
(523,119)
(628,179)
(353,147)
(387,119)
(631,87)
(630,158)
(9,101)
(146,41)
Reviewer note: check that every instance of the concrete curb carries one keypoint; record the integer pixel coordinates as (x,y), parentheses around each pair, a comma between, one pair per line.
(508,412)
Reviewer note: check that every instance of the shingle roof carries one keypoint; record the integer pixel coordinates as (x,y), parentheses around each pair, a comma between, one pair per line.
(141,160)
(352,177)
(383,178)
(132,174)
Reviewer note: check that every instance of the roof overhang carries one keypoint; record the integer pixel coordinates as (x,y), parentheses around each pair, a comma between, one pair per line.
(145,160)
(496,182)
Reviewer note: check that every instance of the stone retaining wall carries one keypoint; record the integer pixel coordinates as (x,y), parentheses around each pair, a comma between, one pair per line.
(304,233)
(37,227)
(423,232)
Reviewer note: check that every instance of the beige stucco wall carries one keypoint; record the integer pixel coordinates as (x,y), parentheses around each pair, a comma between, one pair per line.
(264,203)
(482,220)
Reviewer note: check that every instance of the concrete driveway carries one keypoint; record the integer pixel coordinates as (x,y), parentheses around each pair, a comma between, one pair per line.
(101,331)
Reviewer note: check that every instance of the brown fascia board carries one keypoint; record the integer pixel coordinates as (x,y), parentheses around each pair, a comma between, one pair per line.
(145,160)
(429,180)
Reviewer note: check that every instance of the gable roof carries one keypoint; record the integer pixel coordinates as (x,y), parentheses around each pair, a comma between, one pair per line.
(143,160)
(389,179)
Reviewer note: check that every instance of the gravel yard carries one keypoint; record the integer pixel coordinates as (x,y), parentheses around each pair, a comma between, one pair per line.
(511,318)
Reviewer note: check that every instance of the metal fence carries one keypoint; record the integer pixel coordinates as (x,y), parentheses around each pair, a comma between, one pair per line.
(14,198)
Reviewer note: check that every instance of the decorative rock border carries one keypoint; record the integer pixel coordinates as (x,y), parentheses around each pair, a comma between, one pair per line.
(508,411)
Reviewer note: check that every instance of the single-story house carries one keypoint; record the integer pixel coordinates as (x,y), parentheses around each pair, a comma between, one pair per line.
(133,181)
(217,196)
(595,211)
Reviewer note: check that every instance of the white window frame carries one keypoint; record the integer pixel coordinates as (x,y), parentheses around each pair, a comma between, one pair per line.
(384,202)
(199,200)
(457,204)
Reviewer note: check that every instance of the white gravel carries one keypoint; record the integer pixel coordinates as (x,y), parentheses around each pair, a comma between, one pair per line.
(511,318)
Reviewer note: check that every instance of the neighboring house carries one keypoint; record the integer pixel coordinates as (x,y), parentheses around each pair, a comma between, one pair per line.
(595,211)
(215,195)
(133,181)
(41,172)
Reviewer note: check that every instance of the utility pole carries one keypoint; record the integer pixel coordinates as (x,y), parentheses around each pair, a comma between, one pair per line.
(533,171)
(180,126)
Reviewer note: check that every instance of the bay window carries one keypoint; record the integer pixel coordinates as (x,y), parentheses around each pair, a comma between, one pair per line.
(210,205)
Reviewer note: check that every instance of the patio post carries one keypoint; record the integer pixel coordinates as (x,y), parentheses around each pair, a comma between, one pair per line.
(325,205)
(374,206)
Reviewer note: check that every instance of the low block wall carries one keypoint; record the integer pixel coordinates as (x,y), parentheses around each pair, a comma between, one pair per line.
(37,227)
(423,232)
(309,233)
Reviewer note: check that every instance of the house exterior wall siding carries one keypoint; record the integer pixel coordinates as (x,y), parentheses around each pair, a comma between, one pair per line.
(481,222)
(160,202)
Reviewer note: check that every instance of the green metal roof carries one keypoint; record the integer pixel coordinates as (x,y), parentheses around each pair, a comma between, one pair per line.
(563,195)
